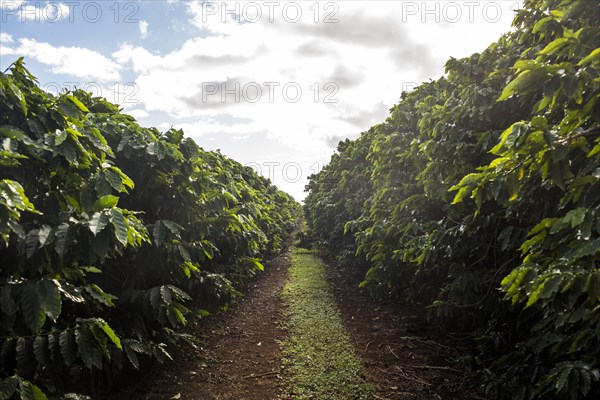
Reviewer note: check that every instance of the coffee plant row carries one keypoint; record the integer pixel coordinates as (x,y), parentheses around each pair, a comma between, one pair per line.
(113,237)
(480,196)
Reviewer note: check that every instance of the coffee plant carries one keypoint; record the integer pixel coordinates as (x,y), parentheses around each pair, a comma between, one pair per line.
(480,196)
(113,237)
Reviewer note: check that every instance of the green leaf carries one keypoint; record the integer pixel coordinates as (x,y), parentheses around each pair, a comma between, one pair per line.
(585,230)
(8,387)
(523,65)
(589,248)
(62,238)
(24,356)
(13,133)
(526,81)
(31,243)
(114,179)
(461,194)
(165,293)
(202,313)
(68,152)
(67,347)
(91,270)
(74,134)
(160,353)
(107,201)
(125,180)
(50,298)
(120,225)
(184,252)
(159,232)
(31,308)
(7,303)
(594,56)
(77,103)
(257,264)
(89,352)
(157,149)
(98,222)
(25,390)
(60,137)
(155,298)
(40,350)
(173,227)
(179,292)
(550,286)
(110,333)
(594,151)
(17,92)
(132,357)
(44,235)
(102,187)
(37,393)
(100,295)
(503,138)
(554,46)
(68,108)
(14,196)
(575,217)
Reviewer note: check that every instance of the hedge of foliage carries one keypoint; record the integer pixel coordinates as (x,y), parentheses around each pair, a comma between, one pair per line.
(480,195)
(113,237)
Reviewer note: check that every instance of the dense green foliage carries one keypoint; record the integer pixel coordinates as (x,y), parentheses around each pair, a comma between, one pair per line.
(113,236)
(489,178)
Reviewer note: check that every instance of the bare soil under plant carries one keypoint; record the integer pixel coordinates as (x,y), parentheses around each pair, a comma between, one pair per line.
(240,356)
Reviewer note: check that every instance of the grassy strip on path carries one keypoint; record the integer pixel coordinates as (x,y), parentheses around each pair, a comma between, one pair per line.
(318,354)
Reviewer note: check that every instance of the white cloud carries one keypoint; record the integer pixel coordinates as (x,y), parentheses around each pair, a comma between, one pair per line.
(57,11)
(75,61)
(5,38)
(240,137)
(143,26)
(137,113)
(374,52)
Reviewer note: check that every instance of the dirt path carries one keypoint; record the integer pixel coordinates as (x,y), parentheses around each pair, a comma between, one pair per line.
(240,356)
(318,351)
(404,355)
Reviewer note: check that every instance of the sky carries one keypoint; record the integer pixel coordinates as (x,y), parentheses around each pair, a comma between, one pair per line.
(274,85)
